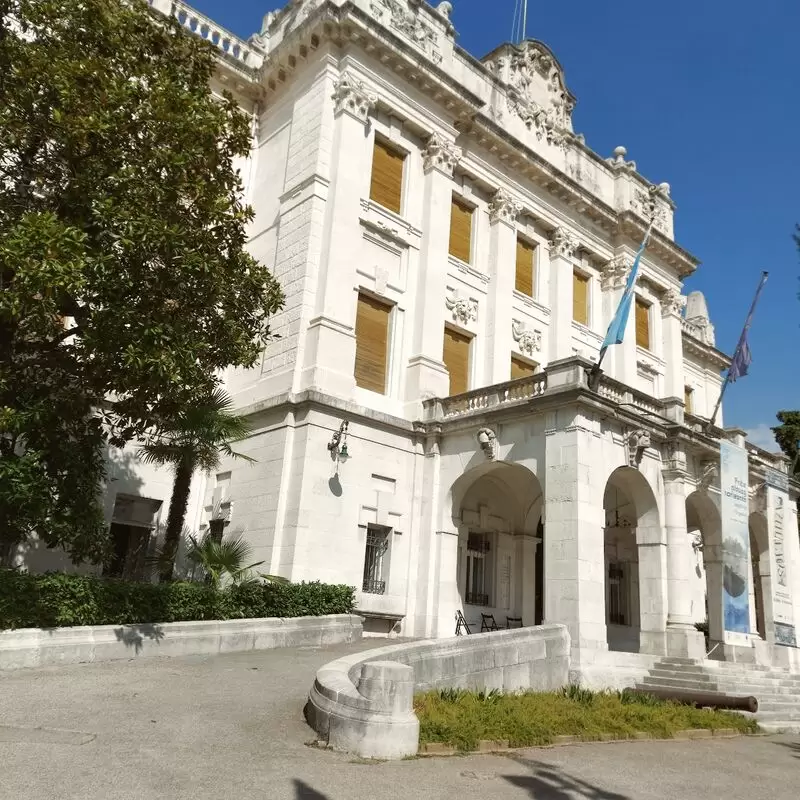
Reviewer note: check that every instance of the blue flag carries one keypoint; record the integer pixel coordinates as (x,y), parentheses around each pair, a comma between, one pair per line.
(740,363)
(616,330)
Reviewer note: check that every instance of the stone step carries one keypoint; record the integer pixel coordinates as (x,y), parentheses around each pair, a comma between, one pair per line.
(764,685)
(780,725)
(678,673)
(770,703)
(678,683)
(793,716)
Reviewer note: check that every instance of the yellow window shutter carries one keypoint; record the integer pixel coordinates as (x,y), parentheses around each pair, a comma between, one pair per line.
(521,369)
(460,230)
(687,399)
(526,254)
(642,324)
(580,298)
(386,186)
(372,341)
(456,359)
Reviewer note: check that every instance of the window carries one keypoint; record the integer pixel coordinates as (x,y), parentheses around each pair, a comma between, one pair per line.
(375,562)
(617,594)
(526,267)
(386,186)
(372,343)
(132,525)
(521,368)
(687,399)
(456,359)
(478,570)
(580,298)
(642,324)
(460,230)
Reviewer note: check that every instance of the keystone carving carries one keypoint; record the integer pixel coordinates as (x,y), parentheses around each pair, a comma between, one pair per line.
(562,244)
(350,94)
(529,342)
(487,439)
(504,207)
(440,154)
(638,442)
(464,310)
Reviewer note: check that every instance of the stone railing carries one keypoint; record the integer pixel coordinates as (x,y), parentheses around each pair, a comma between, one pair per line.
(619,393)
(363,704)
(489,397)
(200,25)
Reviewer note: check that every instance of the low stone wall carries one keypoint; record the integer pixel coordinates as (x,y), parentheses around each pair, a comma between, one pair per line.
(39,647)
(363,703)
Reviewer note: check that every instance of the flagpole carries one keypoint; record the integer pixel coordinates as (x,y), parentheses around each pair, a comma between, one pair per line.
(761,281)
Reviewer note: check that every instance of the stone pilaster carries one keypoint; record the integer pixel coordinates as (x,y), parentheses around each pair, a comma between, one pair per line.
(613,275)
(527,571)
(562,247)
(672,303)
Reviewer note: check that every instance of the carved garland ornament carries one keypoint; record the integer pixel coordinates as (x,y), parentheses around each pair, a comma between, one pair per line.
(529,342)
(350,94)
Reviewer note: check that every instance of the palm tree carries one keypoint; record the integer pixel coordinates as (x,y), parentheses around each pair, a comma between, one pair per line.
(194,439)
(218,559)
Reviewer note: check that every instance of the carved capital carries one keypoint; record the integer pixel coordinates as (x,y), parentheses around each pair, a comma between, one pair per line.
(615,272)
(504,208)
(440,154)
(672,303)
(487,439)
(464,310)
(350,95)
(674,458)
(638,442)
(529,342)
(562,244)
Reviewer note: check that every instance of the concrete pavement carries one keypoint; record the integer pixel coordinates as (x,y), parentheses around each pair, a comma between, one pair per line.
(231,726)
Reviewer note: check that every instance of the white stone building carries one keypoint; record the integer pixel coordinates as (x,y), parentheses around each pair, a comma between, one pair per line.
(452,253)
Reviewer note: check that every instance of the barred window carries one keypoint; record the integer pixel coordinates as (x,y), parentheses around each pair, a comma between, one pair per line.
(478,570)
(376,566)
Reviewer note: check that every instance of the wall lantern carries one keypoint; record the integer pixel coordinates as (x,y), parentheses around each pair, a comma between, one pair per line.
(337,446)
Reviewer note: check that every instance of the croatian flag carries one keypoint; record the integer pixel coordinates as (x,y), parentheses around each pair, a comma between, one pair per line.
(616,330)
(740,363)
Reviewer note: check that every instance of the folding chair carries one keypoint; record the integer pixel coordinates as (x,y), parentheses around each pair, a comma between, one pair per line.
(488,623)
(462,626)
(513,622)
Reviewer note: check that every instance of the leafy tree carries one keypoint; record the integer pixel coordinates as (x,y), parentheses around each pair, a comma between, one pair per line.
(193,439)
(787,434)
(125,284)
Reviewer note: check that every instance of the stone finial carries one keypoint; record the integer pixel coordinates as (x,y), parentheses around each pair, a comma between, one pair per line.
(350,95)
(614,272)
(529,342)
(504,207)
(664,188)
(638,442)
(618,160)
(562,244)
(440,154)
(487,439)
(464,310)
(445,8)
(672,303)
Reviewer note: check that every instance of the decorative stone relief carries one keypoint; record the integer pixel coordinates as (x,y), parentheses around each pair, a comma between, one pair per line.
(487,439)
(649,204)
(504,207)
(674,457)
(529,342)
(404,18)
(464,310)
(758,498)
(562,244)
(672,302)
(440,154)
(647,368)
(638,442)
(614,273)
(709,472)
(350,94)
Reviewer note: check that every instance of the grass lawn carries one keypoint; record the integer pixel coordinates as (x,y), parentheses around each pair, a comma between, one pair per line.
(460,719)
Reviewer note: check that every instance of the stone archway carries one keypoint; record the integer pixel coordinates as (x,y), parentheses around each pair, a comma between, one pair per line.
(497,509)
(703,519)
(634,564)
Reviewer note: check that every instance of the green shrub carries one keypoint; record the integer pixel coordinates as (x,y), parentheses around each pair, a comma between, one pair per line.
(56,600)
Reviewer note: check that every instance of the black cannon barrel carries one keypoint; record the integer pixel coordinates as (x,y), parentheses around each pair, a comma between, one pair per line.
(692,697)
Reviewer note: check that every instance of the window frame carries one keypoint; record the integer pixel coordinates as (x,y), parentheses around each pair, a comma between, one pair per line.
(459,200)
(641,302)
(378,564)
(534,249)
(485,556)
(586,278)
(391,307)
(470,337)
(381,140)
(528,362)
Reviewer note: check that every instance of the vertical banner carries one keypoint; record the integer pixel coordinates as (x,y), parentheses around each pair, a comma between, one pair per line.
(777,509)
(735,509)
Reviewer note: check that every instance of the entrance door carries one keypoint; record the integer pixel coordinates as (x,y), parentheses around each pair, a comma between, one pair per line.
(538,616)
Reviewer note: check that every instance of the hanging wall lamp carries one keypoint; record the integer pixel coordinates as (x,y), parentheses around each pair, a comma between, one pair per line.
(337,446)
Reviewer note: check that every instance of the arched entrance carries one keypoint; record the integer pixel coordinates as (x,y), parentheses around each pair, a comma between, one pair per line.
(635,565)
(497,508)
(704,521)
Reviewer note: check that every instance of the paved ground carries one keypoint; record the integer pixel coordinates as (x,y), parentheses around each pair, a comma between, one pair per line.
(231,727)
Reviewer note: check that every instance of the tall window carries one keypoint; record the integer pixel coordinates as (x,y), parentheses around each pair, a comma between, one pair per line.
(580,298)
(520,368)
(386,187)
(460,230)
(456,359)
(688,400)
(478,570)
(526,267)
(372,343)
(642,324)
(617,602)
(375,560)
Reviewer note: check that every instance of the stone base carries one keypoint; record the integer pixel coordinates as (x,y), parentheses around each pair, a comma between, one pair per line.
(685,641)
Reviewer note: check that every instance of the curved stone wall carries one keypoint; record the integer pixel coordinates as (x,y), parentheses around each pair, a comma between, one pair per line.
(363,703)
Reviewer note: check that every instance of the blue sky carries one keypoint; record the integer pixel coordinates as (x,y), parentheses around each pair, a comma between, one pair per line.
(705,95)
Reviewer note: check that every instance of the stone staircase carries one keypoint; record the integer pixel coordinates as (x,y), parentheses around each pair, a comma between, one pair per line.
(777,690)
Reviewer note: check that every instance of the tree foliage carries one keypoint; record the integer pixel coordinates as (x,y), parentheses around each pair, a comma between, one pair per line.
(787,435)
(125,284)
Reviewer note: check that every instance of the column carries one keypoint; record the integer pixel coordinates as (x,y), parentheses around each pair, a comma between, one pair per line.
(674,382)
(427,375)
(330,344)
(447,576)
(503,213)
(683,640)
(652,589)
(574,558)
(528,578)
(562,247)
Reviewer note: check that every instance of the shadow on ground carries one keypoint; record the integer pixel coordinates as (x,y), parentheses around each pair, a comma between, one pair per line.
(549,783)
(794,747)
(304,792)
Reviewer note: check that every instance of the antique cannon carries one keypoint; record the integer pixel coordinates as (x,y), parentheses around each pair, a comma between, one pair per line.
(692,697)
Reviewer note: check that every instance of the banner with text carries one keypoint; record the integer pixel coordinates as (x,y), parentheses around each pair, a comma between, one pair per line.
(777,510)
(735,507)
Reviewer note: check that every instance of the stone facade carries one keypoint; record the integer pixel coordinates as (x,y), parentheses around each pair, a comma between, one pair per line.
(539,498)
